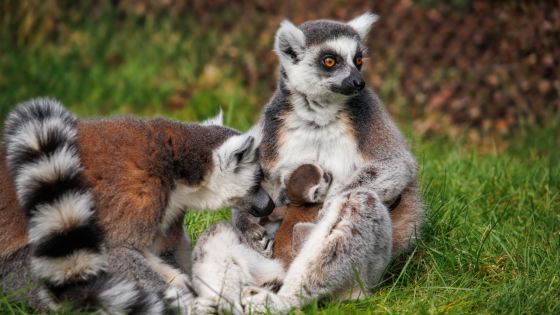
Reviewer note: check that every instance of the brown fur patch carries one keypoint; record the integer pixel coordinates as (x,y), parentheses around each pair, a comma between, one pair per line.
(13,223)
(406,218)
(277,215)
(272,140)
(284,236)
(132,164)
(273,285)
(173,236)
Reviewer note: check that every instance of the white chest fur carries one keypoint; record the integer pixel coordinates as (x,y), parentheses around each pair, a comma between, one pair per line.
(331,145)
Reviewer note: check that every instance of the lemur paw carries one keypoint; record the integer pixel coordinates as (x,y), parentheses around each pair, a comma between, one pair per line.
(257,300)
(202,306)
(214,305)
(181,281)
(257,238)
(180,300)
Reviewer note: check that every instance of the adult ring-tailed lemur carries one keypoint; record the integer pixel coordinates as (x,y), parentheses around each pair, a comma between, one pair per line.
(322,113)
(94,210)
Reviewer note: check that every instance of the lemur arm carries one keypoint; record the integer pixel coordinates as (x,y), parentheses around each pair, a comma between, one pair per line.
(174,248)
(388,177)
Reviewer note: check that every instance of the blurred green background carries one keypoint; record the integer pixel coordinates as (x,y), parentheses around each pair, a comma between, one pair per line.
(477,69)
(473,84)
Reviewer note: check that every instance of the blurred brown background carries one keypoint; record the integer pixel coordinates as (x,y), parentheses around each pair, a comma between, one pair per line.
(478,69)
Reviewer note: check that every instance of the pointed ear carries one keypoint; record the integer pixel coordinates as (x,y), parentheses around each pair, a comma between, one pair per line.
(362,24)
(240,148)
(290,41)
(237,149)
(218,120)
(243,151)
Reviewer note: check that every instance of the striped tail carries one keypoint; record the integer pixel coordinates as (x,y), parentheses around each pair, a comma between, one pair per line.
(67,251)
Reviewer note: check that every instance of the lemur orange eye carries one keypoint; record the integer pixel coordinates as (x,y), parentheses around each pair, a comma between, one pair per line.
(359,61)
(329,62)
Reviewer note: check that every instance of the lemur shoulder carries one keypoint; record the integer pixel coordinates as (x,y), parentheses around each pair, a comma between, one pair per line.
(322,113)
(95,208)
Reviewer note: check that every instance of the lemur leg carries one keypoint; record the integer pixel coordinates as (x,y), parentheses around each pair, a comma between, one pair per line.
(151,274)
(223,264)
(255,235)
(174,247)
(407,218)
(389,178)
(353,238)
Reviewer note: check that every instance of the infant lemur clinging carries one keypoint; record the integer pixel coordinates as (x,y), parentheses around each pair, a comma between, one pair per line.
(305,187)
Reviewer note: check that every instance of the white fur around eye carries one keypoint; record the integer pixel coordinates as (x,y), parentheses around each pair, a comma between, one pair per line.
(306,77)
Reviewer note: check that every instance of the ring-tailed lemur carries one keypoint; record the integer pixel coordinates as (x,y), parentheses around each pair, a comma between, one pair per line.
(322,113)
(96,208)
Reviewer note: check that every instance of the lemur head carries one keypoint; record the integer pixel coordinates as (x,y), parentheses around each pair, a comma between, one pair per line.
(324,58)
(308,184)
(237,176)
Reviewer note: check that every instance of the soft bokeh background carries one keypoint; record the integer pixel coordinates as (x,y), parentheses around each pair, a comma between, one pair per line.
(473,84)
(477,69)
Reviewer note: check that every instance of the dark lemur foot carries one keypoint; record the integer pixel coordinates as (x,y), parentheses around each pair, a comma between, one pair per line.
(257,237)
(254,234)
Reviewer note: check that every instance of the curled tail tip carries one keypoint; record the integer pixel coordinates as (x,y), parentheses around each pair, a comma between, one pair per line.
(40,143)
(35,128)
(40,108)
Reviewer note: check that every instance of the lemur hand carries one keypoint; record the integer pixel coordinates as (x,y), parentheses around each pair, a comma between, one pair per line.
(257,237)
(214,305)
(257,300)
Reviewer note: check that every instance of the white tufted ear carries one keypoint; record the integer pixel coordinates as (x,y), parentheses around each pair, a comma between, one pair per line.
(290,41)
(236,150)
(218,120)
(362,24)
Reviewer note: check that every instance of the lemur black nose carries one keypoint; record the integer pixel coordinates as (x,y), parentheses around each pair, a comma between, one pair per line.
(263,212)
(359,84)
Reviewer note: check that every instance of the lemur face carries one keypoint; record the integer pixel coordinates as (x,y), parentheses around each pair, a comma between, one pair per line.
(238,174)
(309,184)
(324,58)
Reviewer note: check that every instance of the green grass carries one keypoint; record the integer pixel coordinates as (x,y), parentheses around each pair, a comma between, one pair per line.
(491,242)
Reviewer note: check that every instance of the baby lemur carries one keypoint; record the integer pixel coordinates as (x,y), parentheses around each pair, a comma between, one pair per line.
(95,208)
(305,187)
